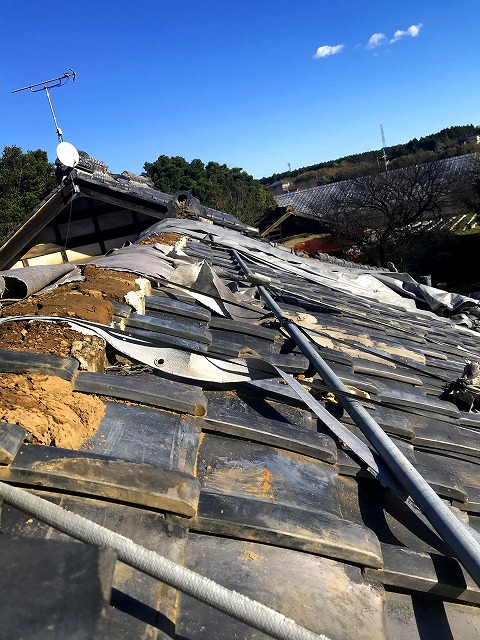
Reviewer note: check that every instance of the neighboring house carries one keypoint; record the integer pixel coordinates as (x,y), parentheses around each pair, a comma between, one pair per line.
(475,138)
(308,201)
(216,443)
(278,187)
(284,222)
(298,231)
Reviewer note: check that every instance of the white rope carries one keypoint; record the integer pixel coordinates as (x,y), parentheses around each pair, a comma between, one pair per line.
(230,602)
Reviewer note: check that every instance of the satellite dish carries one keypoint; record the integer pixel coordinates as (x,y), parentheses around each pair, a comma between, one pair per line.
(67,154)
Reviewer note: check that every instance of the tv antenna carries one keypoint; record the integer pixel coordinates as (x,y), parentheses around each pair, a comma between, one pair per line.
(384,157)
(51,84)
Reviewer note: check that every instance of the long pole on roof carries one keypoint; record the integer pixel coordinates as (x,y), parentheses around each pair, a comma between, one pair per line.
(463,541)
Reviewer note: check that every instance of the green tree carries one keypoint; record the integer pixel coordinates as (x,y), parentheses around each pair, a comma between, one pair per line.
(25,179)
(215,185)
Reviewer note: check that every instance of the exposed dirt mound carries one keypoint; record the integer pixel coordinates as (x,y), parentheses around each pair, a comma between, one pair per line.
(90,300)
(48,408)
(56,339)
(113,285)
(39,337)
(66,303)
(163,238)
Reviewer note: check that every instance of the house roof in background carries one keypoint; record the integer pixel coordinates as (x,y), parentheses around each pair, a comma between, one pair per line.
(310,200)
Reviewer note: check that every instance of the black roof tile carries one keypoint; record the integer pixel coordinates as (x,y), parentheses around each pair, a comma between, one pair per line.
(351,606)
(423,572)
(151,436)
(89,474)
(314,532)
(266,474)
(147,389)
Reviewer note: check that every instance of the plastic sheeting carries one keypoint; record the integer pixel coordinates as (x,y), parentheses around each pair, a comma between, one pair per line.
(357,282)
(153,261)
(17,284)
(438,301)
(201,277)
(144,260)
(397,289)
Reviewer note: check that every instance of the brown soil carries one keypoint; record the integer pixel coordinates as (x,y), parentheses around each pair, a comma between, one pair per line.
(250,555)
(48,408)
(66,303)
(89,300)
(163,238)
(114,285)
(49,338)
(266,480)
(41,337)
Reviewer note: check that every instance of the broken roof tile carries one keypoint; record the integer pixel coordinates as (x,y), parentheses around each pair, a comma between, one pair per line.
(214,460)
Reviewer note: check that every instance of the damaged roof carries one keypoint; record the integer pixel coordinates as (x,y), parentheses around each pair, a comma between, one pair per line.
(93,211)
(209,436)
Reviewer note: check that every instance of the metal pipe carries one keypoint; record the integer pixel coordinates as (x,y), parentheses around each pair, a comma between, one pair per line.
(159,567)
(57,128)
(446,524)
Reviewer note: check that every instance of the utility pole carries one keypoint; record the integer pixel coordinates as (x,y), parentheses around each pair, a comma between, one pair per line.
(384,157)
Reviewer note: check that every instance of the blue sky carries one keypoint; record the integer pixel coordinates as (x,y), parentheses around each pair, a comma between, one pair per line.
(256,84)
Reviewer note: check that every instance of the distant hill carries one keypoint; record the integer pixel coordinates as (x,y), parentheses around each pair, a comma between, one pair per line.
(453,141)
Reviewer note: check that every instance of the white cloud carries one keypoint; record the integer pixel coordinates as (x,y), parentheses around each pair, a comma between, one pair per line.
(379,39)
(412,31)
(327,50)
(376,40)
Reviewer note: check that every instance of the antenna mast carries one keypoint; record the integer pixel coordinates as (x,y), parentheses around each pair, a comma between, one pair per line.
(384,157)
(51,84)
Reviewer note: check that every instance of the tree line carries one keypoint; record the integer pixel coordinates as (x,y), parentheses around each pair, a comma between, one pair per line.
(436,146)
(231,190)
(25,179)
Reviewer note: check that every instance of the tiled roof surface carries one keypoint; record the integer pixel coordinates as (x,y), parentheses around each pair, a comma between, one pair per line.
(308,200)
(128,185)
(235,477)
